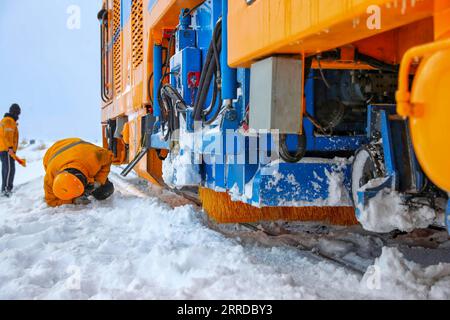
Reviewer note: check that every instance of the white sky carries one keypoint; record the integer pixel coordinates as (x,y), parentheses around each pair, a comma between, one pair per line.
(50,70)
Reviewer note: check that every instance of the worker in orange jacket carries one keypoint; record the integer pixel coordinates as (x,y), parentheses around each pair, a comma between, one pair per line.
(75,170)
(9,139)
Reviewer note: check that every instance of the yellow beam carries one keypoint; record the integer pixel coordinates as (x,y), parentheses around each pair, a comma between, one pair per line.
(270,27)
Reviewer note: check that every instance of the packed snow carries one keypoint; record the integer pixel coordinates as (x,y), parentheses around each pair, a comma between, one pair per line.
(147,243)
(387,212)
(394,274)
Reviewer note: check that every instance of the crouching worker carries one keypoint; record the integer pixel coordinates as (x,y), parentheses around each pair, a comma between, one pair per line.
(75,170)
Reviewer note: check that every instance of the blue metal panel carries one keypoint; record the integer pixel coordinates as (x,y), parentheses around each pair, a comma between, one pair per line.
(244,93)
(335,143)
(365,196)
(447,217)
(158,143)
(388,147)
(325,143)
(151,4)
(184,63)
(185,39)
(229,76)
(157,74)
(305,184)
(125,13)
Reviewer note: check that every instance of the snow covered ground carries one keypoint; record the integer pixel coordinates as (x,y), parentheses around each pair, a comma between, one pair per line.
(146,243)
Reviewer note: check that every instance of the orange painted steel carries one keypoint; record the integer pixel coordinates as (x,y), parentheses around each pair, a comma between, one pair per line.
(270,27)
(428,107)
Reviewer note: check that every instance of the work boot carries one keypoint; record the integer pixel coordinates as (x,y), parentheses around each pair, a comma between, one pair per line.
(6,194)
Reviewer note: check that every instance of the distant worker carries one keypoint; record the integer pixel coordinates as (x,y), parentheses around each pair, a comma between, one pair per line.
(9,141)
(75,170)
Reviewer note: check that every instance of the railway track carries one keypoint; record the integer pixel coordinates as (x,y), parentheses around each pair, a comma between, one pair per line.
(352,249)
(312,252)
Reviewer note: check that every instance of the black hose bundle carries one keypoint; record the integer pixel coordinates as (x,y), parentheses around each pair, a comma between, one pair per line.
(211,69)
(292,157)
(172,103)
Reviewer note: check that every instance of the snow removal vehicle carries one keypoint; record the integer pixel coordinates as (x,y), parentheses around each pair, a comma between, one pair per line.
(302,110)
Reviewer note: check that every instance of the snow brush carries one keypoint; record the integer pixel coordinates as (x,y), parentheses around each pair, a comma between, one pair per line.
(20,161)
(220,207)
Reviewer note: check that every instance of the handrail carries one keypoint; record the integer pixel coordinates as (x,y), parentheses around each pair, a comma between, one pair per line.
(403,95)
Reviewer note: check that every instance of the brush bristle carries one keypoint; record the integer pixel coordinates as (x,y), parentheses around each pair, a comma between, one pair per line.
(220,207)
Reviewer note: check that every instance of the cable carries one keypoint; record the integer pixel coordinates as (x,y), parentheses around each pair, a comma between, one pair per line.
(160,157)
(210,69)
(317,125)
(293,157)
(319,57)
(192,10)
(168,98)
(375,63)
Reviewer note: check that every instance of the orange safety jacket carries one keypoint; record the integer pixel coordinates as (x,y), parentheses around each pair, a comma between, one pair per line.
(93,161)
(9,134)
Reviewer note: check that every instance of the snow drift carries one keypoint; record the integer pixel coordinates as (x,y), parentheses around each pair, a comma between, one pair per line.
(135,246)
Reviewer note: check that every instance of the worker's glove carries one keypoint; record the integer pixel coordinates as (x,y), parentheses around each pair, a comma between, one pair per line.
(82,201)
(90,188)
(97,185)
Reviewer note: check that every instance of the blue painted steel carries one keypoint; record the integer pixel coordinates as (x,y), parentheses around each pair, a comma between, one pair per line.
(151,4)
(388,147)
(185,63)
(185,19)
(286,185)
(229,75)
(399,159)
(158,142)
(157,75)
(320,143)
(365,196)
(185,38)
(243,93)
(373,126)
(379,126)
(190,123)
(125,13)
(447,217)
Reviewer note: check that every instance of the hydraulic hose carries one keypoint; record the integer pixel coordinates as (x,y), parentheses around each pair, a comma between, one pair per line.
(171,101)
(293,157)
(210,70)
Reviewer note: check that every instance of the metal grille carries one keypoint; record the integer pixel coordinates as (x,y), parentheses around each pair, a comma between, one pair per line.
(117,49)
(137,16)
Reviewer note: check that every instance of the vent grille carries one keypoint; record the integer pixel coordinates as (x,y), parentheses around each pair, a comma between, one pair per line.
(117,49)
(137,14)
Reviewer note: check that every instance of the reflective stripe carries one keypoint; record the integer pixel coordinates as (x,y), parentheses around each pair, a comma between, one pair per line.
(9,173)
(62,150)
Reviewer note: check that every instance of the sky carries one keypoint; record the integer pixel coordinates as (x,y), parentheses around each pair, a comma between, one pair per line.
(50,65)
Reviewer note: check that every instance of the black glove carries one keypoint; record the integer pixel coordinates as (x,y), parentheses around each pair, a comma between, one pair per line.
(104,192)
(82,201)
